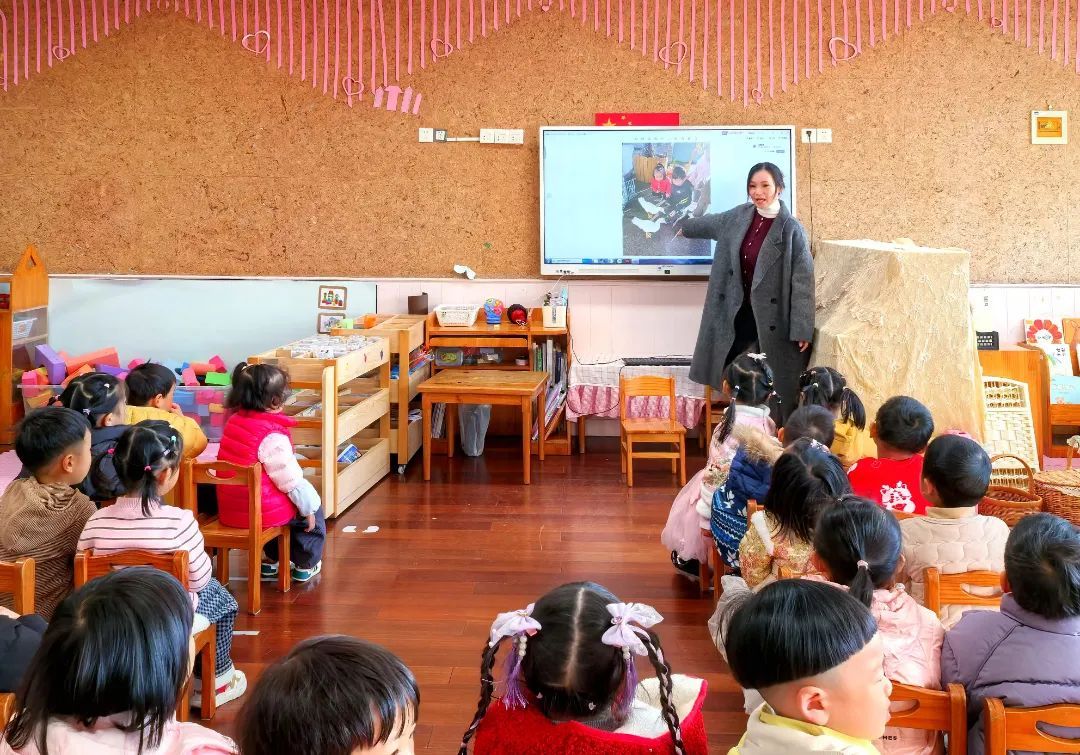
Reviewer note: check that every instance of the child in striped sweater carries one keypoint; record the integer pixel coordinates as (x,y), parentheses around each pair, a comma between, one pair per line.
(147,460)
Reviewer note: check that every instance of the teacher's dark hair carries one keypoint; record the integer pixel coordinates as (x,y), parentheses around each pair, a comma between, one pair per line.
(771,169)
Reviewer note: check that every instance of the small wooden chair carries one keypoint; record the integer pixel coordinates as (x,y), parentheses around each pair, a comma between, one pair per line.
(90,565)
(901,515)
(650,430)
(1017,729)
(933,710)
(18,578)
(223,539)
(782,572)
(948,589)
(719,568)
(7,708)
(714,405)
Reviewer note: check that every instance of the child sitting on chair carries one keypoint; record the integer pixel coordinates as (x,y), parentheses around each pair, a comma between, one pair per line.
(824,386)
(42,515)
(102,399)
(1028,654)
(148,462)
(151,389)
(371,708)
(258,431)
(814,653)
(953,536)
(571,682)
(751,474)
(901,431)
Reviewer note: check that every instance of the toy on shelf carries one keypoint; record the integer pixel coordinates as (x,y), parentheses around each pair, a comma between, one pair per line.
(24,325)
(493,311)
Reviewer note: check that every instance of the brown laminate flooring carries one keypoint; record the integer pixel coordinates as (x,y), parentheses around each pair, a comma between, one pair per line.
(451,554)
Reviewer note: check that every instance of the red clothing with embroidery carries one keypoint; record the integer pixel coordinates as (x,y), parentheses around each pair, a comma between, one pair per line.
(661,186)
(890,483)
(751,248)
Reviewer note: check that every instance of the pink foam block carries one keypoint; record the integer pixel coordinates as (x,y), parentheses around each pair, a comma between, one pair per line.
(135,363)
(102,356)
(53,363)
(217,420)
(30,377)
(189,377)
(218,364)
(204,397)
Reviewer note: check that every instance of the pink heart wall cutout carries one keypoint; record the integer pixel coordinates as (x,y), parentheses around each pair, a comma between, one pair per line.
(838,45)
(665,53)
(441,49)
(256,42)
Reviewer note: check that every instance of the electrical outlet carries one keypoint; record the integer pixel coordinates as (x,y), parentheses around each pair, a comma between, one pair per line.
(501,136)
(440,135)
(824,136)
(809,135)
(517,136)
(427,135)
(487,136)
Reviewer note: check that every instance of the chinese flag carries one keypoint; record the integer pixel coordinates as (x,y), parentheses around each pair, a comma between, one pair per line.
(637,119)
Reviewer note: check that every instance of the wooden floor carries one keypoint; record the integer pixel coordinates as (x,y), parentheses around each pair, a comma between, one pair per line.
(452,553)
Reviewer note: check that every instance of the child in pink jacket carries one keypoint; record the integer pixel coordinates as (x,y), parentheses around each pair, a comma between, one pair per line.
(858,544)
(109,672)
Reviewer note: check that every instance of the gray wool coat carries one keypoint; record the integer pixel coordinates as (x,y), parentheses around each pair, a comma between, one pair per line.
(782,296)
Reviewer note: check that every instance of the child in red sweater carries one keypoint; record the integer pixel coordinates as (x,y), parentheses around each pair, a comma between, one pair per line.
(661,184)
(901,431)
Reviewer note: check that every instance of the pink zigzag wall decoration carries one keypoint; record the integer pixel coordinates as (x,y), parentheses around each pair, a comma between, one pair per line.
(350,49)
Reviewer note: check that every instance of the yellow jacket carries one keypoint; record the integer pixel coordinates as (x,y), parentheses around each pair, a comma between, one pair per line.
(194,438)
(852,444)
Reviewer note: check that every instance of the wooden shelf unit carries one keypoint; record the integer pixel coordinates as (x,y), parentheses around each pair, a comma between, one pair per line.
(506,336)
(354,391)
(26,298)
(405,334)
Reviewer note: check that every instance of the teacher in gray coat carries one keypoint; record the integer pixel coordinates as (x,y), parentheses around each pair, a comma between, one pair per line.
(761,288)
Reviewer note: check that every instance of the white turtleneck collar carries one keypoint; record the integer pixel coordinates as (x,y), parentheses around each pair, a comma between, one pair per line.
(771,211)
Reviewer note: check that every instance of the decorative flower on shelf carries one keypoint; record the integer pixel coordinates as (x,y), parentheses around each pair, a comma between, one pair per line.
(1043,331)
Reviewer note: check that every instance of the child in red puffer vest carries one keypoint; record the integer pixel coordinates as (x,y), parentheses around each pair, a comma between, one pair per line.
(258,431)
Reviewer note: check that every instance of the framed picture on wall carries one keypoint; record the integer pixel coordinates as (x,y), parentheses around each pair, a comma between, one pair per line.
(1049,127)
(333,297)
(328,320)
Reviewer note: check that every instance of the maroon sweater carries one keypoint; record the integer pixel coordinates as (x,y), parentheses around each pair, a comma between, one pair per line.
(751,247)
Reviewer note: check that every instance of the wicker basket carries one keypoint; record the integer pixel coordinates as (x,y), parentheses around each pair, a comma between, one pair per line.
(1060,489)
(1008,503)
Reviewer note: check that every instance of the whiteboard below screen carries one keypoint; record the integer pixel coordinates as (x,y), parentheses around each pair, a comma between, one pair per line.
(189,319)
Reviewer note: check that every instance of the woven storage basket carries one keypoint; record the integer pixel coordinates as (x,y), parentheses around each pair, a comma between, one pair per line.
(1009,430)
(1060,489)
(1008,503)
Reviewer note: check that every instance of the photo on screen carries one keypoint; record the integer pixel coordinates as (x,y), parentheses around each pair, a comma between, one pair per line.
(663,184)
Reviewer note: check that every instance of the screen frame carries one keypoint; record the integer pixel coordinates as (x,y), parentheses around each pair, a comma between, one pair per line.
(557,269)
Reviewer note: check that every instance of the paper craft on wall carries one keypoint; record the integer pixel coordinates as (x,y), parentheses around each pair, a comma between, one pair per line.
(1046,334)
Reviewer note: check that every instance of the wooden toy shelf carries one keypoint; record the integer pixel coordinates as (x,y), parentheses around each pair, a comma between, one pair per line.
(24,325)
(354,390)
(405,334)
(519,341)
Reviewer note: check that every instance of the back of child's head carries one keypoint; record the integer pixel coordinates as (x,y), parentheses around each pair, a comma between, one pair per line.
(1042,563)
(257,388)
(572,656)
(46,434)
(806,479)
(904,424)
(143,452)
(116,646)
(147,381)
(959,470)
(813,422)
(750,382)
(96,396)
(331,695)
(793,629)
(859,543)
(824,386)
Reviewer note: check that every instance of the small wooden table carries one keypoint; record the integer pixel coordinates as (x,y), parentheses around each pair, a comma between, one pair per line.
(499,387)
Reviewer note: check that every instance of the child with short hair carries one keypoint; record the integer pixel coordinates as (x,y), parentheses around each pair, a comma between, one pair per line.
(901,431)
(571,682)
(102,399)
(1028,654)
(148,460)
(858,544)
(258,431)
(953,536)
(748,384)
(371,708)
(806,479)
(826,387)
(751,474)
(42,514)
(814,653)
(151,393)
(109,672)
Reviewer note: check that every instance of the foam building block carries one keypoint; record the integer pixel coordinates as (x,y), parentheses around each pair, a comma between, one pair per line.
(185,400)
(135,363)
(30,377)
(84,370)
(52,362)
(204,410)
(216,408)
(217,420)
(201,368)
(217,363)
(217,378)
(204,397)
(102,356)
(108,369)
(176,367)
(189,377)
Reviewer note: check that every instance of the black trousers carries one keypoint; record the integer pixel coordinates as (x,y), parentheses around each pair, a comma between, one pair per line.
(305,548)
(746,337)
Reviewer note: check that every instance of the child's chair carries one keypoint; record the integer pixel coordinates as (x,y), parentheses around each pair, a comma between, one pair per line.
(223,539)
(950,589)
(90,565)
(714,407)
(668,430)
(1018,729)
(19,580)
(933,710)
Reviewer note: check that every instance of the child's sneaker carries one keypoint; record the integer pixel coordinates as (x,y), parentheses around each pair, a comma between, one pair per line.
(236,687)
(304,575)
(268,570)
